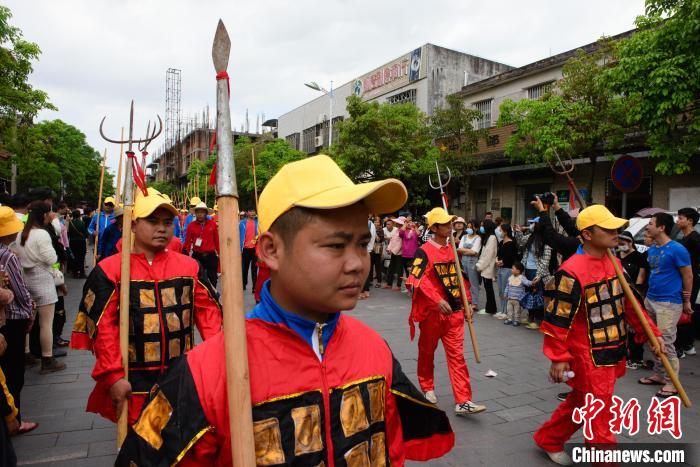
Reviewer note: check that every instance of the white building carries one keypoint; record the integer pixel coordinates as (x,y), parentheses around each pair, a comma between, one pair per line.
(423,76)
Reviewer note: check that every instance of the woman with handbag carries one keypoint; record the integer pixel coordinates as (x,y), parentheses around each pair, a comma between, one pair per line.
(486,265)
(536,259)
(37,256)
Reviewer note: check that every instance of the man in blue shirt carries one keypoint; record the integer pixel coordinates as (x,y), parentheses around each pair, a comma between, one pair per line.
(107,245)
(105,218)
(670,285)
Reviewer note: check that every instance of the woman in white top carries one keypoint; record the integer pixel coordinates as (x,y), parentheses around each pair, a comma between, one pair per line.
(469,248)
(487,263)
(36,254)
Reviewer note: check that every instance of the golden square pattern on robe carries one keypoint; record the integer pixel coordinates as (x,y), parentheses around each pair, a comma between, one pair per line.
(174,347)
(186,317)
(376,401)
(268,442)
(566,284)
(173,321)
(591,295)
(377,452)
(596,316)
(353,416)
(616,287)
(89,300)
(151,323)
(91,327)
(132,352)
(607,311)
(307,429)
(599,336)
(358,456)
(563,308)
(151,351)
(147,298)
(185,300)
(167,296)
(613,334)
(80,324)
(153,419)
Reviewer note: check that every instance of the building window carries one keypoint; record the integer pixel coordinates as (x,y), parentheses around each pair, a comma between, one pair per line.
(293,140)
(539,90)
(408,96)
(485,108)
(309,143)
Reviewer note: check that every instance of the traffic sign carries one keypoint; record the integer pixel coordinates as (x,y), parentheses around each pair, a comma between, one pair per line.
(627,174)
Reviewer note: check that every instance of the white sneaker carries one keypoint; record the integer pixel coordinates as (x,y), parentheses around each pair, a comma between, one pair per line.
(500,315)
(482,311)
(468,408)
(691,351)
(561,458)
(430,395)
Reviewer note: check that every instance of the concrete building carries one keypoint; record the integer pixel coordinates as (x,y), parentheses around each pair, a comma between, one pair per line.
(506,188)
(423,76)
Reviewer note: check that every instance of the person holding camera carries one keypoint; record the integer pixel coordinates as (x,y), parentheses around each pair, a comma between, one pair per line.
(565,245)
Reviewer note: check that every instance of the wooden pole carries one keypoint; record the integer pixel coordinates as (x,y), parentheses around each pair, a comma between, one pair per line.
(629,295)
(235,343)
(255,178)
(118,191)
(99,205)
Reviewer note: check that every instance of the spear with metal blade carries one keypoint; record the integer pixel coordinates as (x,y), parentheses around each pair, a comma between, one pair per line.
(240,411)
(468,312)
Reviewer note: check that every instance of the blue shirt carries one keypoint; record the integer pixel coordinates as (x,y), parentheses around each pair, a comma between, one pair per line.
(665,280)
(269,310)
(105,220)
(107,244)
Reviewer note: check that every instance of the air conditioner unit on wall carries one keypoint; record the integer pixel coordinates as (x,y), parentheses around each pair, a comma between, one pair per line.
(319,141)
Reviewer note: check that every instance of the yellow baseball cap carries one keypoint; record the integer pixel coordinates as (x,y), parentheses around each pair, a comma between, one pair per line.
(9,223)
(194,201)
(318,183)
(438,216)
(201,205)
(109,199)
(599,215)
(145,205)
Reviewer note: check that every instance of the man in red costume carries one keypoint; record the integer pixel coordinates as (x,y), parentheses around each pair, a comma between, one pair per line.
(168,291)
(584,327)
(437,308)
(325,388)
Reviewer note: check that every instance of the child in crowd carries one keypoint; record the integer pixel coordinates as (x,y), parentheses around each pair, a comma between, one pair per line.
(513,292)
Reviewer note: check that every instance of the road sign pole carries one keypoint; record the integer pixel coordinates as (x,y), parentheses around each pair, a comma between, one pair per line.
(624,205)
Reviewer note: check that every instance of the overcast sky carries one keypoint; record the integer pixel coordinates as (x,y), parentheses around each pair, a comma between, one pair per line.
(99,54)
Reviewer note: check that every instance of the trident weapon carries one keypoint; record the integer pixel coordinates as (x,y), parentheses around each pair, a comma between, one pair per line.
(468,312)
(126,258)
(150,136)
(237,376)
(565,168)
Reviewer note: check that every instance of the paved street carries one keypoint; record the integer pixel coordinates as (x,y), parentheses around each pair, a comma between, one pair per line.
(519,399)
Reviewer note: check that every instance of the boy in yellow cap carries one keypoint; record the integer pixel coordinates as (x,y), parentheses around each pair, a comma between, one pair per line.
(325,388)
(169,292)
(438,310)
(585,332)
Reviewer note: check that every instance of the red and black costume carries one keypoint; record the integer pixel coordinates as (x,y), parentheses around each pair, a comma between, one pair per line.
(165,297)
(434,278)
(584,324)
(349,404)
(202,241)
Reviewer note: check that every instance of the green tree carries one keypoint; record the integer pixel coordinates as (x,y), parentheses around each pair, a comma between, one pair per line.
(453,130)
(57,155)
(19,101)
(163,186)
(580,117)
(387,141)
(658,69)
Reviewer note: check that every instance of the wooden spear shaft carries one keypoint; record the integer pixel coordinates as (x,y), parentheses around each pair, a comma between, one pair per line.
(235,343)
(99,204)
(255,179)
(629,295)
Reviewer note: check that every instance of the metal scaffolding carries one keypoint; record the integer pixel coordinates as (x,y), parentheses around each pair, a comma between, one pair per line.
(173,94)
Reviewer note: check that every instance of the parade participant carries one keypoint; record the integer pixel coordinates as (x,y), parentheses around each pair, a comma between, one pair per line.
(191,216)
(105,217)
(584,332)
(325,388)
(438,310)
(202,242)
(107,244)
(169,291)
(248,232)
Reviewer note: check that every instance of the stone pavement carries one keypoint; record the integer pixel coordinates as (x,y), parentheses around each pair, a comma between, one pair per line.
(519,398)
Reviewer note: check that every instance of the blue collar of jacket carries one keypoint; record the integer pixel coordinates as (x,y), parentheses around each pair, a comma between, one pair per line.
(270,311)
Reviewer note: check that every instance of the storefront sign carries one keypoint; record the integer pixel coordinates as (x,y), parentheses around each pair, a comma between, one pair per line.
(391,76)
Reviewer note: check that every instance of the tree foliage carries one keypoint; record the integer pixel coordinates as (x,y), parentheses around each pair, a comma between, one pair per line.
(387,141)
(658,69)
(19,101)
(580,117)
(57,155)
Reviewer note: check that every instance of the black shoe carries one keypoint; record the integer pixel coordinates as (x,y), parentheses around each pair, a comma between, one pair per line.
(30,360)
(57,352)
(50,365)
(562,395)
